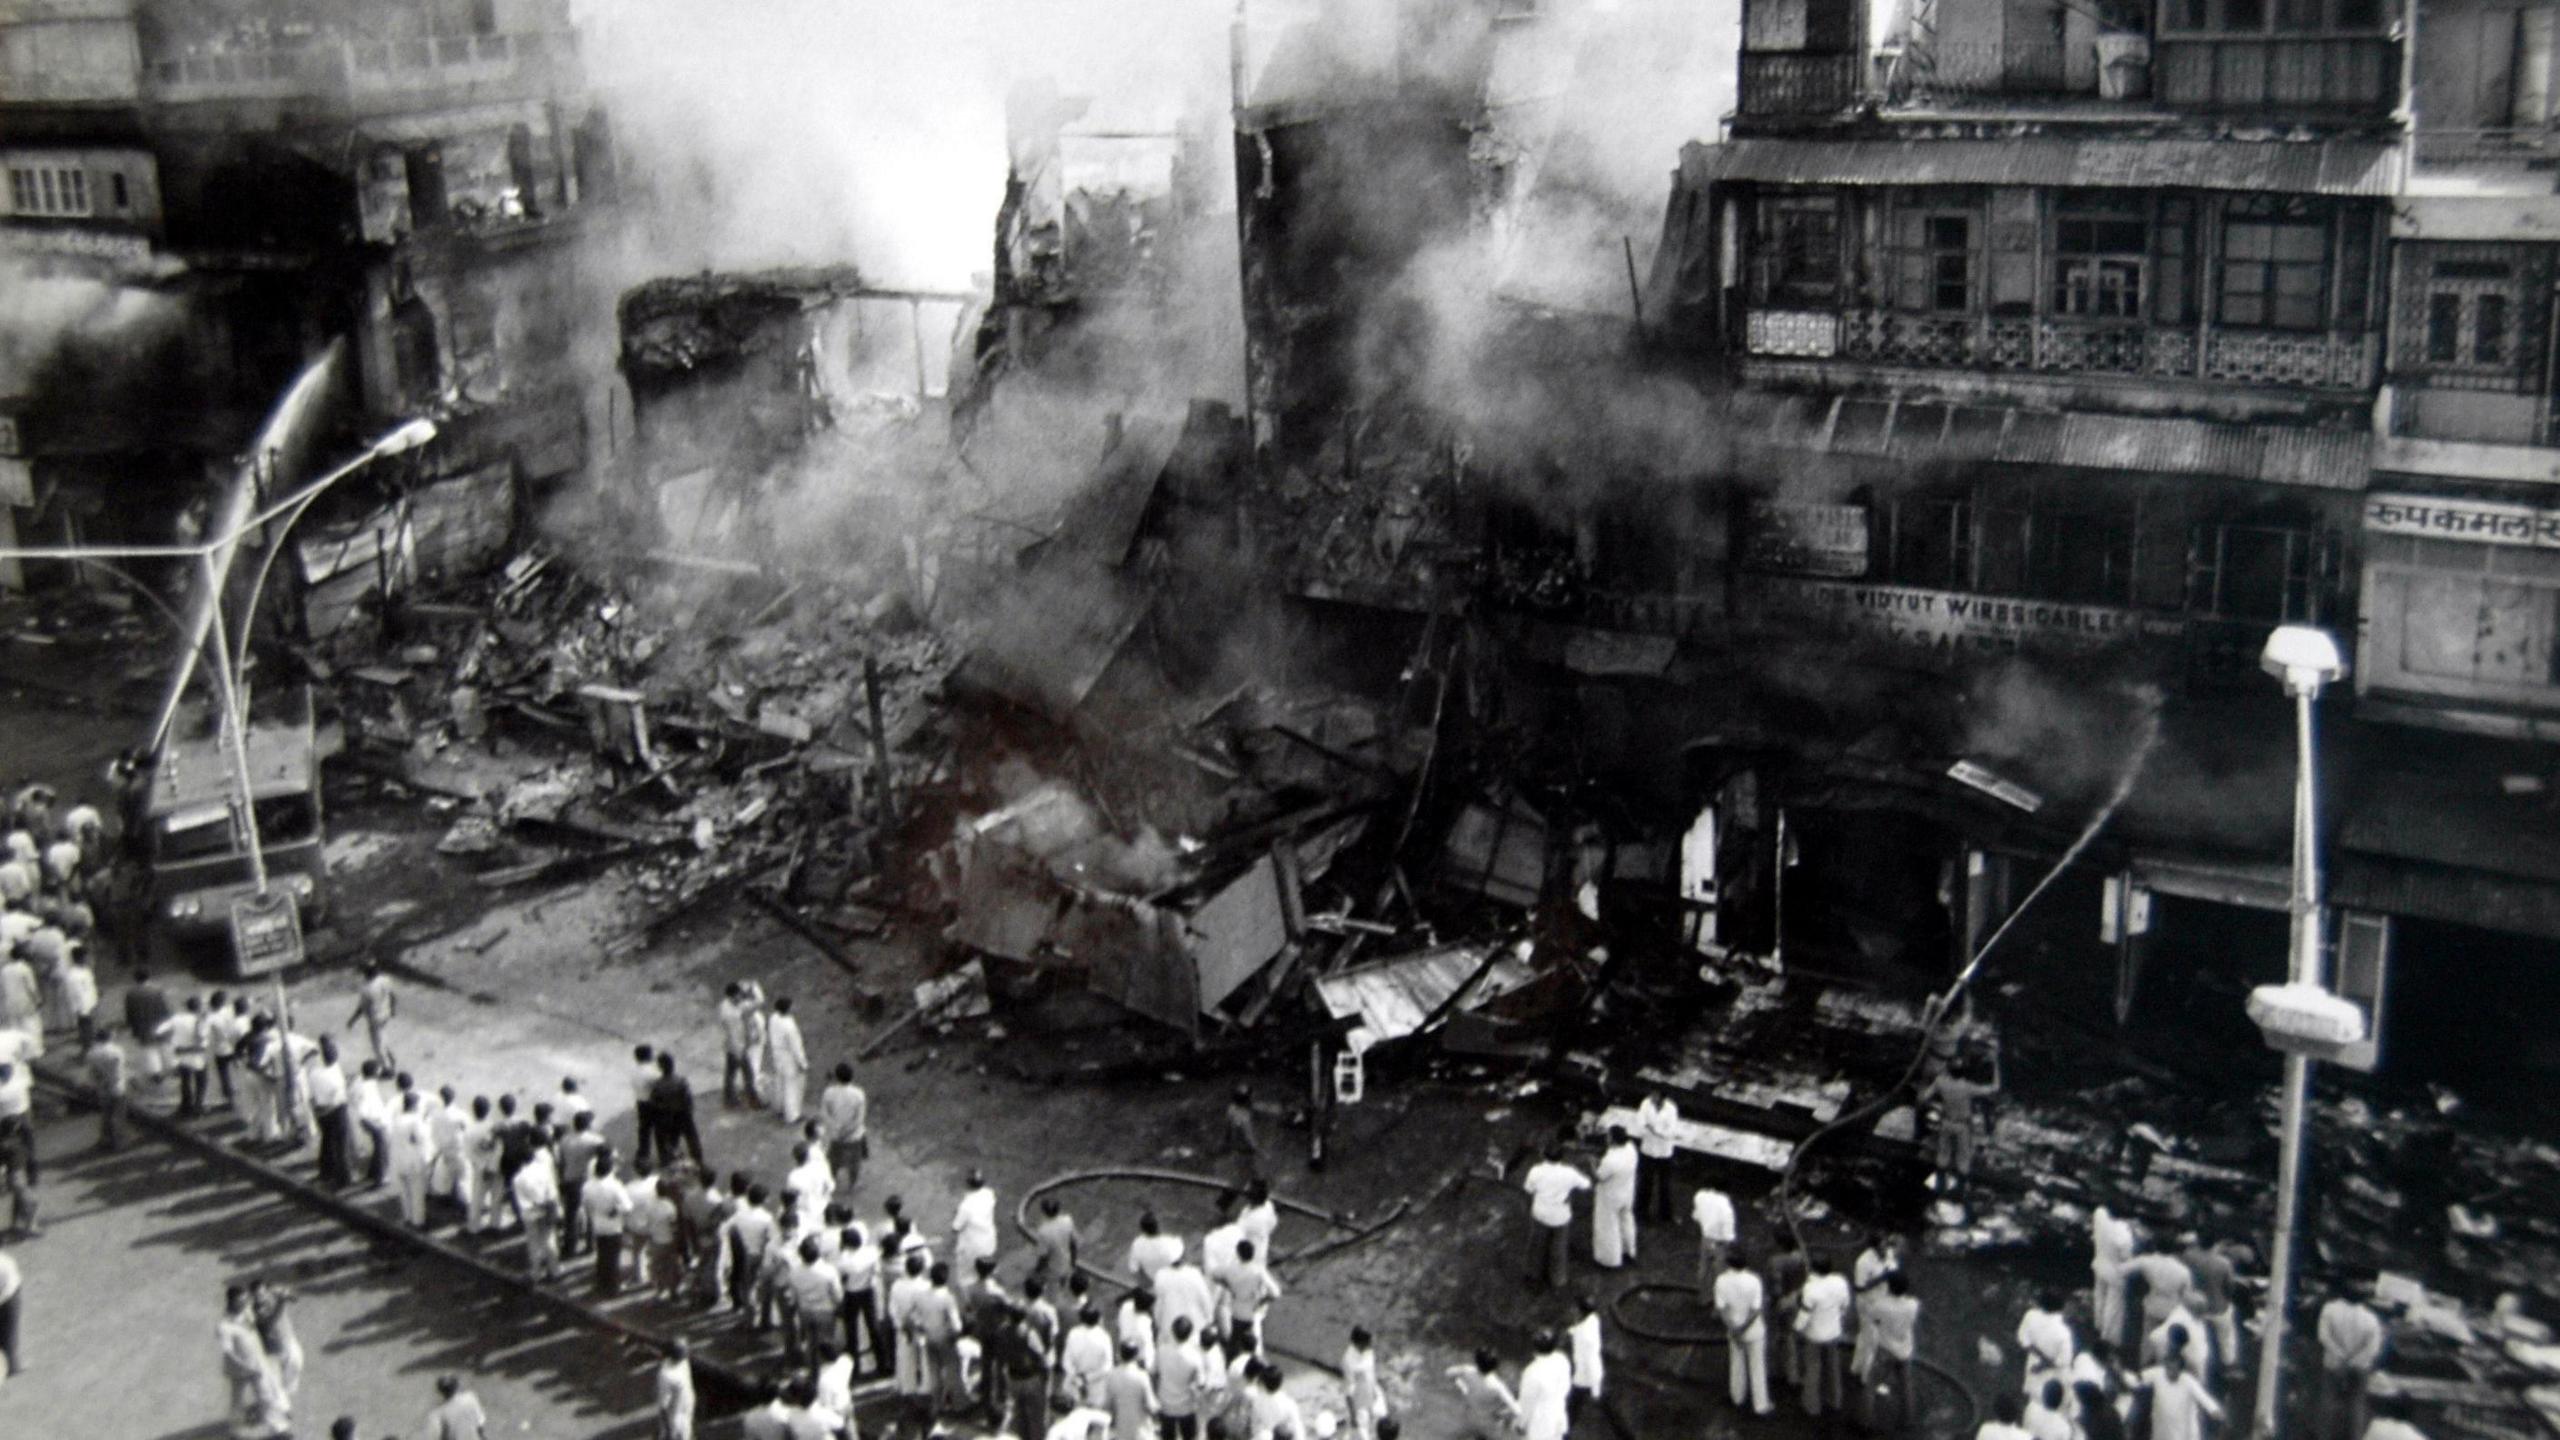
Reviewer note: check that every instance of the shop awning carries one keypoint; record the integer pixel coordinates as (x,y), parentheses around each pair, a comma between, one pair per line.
(2305,167)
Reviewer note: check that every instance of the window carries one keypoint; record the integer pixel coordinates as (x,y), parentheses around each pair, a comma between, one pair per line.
(2444,329)
(122,192)
(2268,573)
(2489,330)
(49,190)
(2461,314)
(1933,261)
(2275,264)
(1796,248)
(2279,17)
(1931,543)
(2099,258)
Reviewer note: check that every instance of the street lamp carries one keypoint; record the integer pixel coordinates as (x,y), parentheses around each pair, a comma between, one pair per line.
(214,556)
(2299,1017)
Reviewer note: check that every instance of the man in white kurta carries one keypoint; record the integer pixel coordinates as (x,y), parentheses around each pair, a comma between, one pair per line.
(2110,1245)
(413,1148)
(787,1058)
(1613,1202)
(973,1226)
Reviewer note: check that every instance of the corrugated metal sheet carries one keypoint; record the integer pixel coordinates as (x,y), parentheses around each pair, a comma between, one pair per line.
(2308,167)
(2329,459)
(1394,997)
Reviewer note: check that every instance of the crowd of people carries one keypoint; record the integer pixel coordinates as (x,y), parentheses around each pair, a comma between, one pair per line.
(1845,1340)
(847,1295)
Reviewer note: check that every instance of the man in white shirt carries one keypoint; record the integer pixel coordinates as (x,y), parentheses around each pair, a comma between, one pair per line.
(608,1207)
(1712,1212)
(326,1080)
(1260,1218)
(371,1102)
(2045,1337)
(1085,1358)
(973,1226)
(1657,1123)
(2350,1349)
(481,1146)
(1551,1184)
(1742,1303)
(1613,1202)
(1546,1388)
(1249,1288)
(1153,1249)
(537,1197)
(1274,1411)
(2047,1414)
(1822,1310)
(1184,1293)
(1179,1362)
(1583,1342)
(844,1122)
(448,1172)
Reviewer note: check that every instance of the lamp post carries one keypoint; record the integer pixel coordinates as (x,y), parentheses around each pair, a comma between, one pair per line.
(2305,659)
(219,551)
(212,556)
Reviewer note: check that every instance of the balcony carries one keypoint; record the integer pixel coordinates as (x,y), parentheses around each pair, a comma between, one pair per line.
(2341,75)
(353,70)
(2331,360)
(1798,84)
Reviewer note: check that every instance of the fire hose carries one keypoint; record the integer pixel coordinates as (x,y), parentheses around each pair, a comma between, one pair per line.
(1933,1016)
(1356,1234)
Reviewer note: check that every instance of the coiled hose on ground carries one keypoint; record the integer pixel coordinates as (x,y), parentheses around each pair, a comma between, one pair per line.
(1717,1337)
(1355,1234)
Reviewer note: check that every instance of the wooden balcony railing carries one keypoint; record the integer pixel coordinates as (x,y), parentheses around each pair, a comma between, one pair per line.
(1792,84)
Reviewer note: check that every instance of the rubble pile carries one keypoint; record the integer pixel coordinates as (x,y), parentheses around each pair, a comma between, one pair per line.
(734,743)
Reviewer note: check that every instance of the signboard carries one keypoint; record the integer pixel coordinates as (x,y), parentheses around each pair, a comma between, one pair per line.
(2484,522)
(1805,539)
(1952,620)
(126,253)
(266,932)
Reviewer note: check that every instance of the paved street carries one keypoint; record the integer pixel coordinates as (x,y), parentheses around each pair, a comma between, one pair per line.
(124,1287)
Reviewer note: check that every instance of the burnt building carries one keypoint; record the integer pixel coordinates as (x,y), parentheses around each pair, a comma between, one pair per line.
(2000,376)
(219,193)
